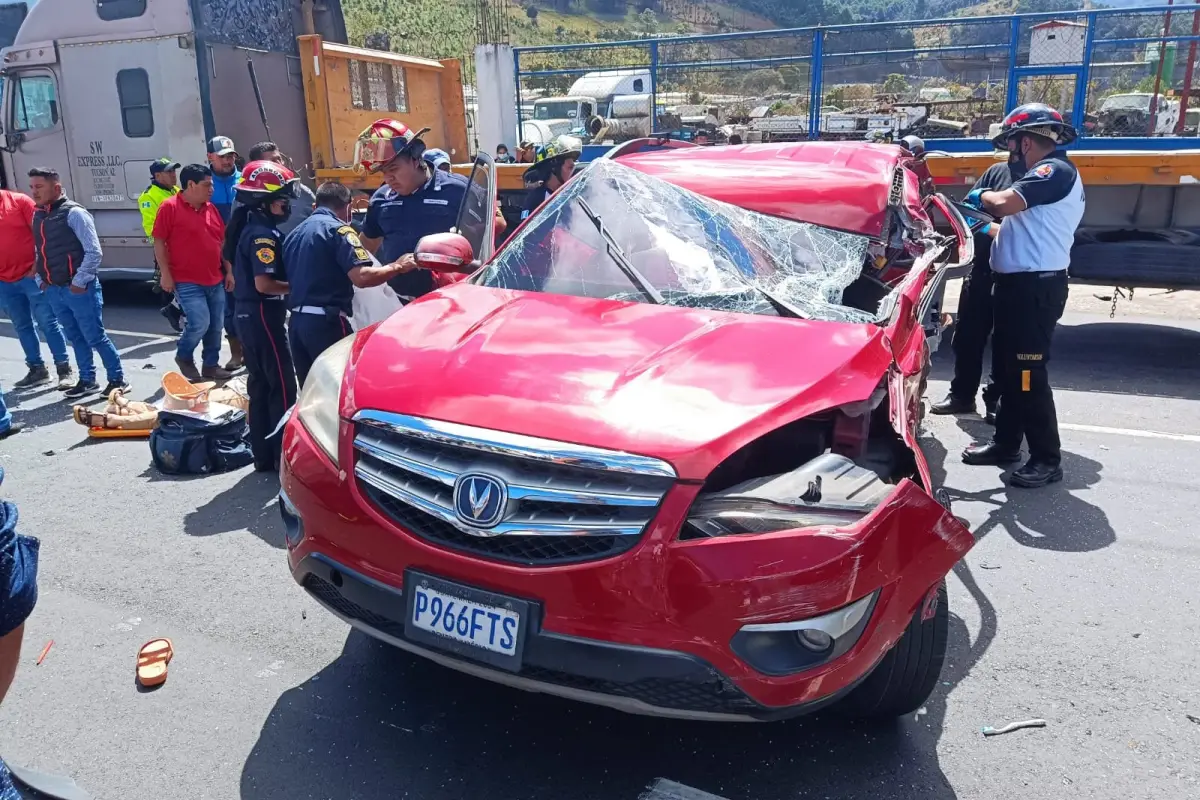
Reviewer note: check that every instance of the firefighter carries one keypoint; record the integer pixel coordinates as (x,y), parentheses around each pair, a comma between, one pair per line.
(325,261)
(254,245)
(415,200)
(1030,255)
(552,167)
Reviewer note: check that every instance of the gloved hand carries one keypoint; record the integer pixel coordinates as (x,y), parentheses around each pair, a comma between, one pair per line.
(974,200)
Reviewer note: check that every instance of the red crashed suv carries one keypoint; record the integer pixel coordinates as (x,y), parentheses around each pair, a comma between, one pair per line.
(660,452)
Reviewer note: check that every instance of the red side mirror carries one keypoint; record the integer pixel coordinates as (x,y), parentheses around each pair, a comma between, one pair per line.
(444,252)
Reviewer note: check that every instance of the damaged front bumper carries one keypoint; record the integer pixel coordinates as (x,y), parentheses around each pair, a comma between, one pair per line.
(673,627)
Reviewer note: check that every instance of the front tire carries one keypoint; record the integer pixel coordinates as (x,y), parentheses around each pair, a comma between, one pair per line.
(902,682)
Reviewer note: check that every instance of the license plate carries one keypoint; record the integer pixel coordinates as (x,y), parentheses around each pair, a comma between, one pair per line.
(483,626)
(470,622)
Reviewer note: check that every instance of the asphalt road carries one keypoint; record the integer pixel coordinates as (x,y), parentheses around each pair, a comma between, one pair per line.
(1080,605)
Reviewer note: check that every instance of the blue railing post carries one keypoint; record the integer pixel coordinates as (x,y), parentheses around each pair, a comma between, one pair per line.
(814,85)
(1079,113)
(517,80)
(653,85)
(1014,51)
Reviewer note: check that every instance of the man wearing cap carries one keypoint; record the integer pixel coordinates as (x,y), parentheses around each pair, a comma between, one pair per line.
(325,260)
(222,159)
(163,184)
(415,201)
(438,159)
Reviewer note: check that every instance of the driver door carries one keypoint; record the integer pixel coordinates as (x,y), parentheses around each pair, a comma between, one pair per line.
(34,134)
(477,213)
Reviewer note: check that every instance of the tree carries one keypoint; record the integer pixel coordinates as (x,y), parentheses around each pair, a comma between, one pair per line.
(648,22)
(793,79)
(761,81)
(895,83)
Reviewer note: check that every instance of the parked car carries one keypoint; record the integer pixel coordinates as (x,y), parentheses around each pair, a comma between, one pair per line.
(661,452)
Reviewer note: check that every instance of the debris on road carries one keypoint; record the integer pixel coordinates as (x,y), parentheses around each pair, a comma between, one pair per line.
(989,566)
(1194,718)
(1013,726)
(45,650)
(152,662)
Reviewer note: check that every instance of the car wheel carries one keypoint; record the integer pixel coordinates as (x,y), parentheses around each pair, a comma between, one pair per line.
(904,679)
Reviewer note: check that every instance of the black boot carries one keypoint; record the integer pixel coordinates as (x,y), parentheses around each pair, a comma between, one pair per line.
(990,407)
(1035,475)
(990,454)
(953,405)
(36,377)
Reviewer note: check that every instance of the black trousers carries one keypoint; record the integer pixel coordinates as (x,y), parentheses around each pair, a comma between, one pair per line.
(972,328)
(313,334)
(270,379)
(1027,307)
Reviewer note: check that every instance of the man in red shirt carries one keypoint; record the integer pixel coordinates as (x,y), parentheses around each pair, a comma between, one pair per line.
(21,298)
(188,234)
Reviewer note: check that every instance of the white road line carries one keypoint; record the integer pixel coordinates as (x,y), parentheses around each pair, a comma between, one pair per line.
(1178,437)
(111,332)
(139,346)
(663,789)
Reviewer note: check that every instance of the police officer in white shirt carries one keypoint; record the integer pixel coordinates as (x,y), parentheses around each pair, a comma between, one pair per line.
(1030,255)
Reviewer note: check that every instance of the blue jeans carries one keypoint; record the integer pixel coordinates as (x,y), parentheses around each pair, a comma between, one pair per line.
(25,303)
(82,318)
(5,418)
(204,307)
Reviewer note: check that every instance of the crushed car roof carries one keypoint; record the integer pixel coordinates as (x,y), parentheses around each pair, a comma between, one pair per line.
(840,185)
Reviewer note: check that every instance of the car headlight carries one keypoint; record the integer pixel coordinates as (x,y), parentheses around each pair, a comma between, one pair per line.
(317,407)
(829,490)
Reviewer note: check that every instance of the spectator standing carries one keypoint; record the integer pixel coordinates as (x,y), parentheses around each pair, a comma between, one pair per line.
(305,200)
(222,158)
(164,182)
(21,297)
(67,259)
(188,235)
(438,159)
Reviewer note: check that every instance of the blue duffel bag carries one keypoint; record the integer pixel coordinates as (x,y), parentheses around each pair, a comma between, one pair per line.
(186,445)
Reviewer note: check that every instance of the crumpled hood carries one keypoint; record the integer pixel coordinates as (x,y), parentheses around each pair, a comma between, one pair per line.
(688,386)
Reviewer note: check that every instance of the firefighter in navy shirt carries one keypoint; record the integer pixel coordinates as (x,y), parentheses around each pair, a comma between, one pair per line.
(325,261)
(415,200)
(973,325)
(254,246)
(1030,256)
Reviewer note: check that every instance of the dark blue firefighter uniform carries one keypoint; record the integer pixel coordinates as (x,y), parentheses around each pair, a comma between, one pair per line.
(271,381)
(402,221)
(319,254)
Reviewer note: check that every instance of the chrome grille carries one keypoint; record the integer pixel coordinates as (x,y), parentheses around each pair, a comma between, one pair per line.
(565,503)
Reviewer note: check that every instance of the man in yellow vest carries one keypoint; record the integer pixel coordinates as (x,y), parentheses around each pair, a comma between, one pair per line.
(163,184)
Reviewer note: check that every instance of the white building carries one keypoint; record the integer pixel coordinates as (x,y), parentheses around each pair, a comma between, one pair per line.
(1057,42)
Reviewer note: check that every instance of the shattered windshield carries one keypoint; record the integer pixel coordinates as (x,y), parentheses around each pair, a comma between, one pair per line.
(1127,102)
(694,251)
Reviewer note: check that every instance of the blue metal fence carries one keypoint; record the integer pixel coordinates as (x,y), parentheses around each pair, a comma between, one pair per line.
(1124,76)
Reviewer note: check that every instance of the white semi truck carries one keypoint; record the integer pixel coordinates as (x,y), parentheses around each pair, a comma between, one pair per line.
(99,89)
(612,103)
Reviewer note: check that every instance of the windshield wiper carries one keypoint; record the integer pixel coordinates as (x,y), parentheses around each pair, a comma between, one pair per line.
(785,308)
(619,258)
